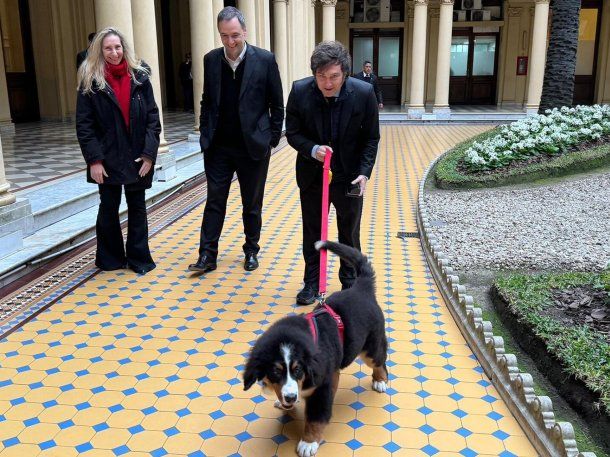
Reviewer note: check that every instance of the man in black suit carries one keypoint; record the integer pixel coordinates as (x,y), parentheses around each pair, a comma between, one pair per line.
(368,76)
(186,81)
(242,109)
(81,56)
(332,111)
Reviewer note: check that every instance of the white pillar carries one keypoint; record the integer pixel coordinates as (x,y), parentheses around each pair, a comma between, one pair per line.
(248,8)
(217,6)
(328,19)
(115,13)
(5,107)
(6,198)
(203,27)
(418,59)
(443,60)
(280,39)
(145,43)
(537,59)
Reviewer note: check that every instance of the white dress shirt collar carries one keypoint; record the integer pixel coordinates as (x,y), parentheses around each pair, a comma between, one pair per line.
(235,63)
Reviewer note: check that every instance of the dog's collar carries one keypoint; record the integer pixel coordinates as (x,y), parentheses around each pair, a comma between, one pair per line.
(313,326)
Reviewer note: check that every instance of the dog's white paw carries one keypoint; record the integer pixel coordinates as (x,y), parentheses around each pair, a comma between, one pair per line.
(380,386)
(305,449)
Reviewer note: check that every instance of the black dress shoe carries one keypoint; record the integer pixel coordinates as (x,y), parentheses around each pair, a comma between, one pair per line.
(141,270)
(251,262)
(204,263)
(307,295)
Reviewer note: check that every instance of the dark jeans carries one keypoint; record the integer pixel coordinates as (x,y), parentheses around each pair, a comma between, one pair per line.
(220,165)
(111,253)
(348,211)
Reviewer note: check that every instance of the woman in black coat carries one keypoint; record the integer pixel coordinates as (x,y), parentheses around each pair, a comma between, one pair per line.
(118,128)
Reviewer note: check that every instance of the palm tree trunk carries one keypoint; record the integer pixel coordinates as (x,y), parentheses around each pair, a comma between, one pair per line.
(558,87)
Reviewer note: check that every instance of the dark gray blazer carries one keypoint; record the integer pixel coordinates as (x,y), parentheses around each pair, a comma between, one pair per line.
(261,100)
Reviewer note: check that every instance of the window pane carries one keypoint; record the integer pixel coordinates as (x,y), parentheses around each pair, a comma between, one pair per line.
(459,56)
(484,56)
(388,56)
(363,50)
(586,41)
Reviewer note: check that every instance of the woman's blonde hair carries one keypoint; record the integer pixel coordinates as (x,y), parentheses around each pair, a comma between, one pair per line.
(91,72)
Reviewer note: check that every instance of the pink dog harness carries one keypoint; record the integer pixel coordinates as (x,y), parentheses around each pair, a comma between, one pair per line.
(323,308)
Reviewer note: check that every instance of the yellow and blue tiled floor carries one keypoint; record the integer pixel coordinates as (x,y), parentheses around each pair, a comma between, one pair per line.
(151,365)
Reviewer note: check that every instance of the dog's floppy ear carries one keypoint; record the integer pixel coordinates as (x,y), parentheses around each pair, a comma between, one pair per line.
(251,374)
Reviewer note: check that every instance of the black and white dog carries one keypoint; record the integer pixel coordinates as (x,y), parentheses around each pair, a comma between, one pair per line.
(301,356)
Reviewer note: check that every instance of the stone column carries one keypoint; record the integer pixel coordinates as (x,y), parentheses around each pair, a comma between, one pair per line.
(203,26)
(418,60)
(248,8)
(443,62)
(115,13)
(5,107)
(15,216)
(328,19)
(217,6)
(6,198)
(280,40)
(537,58)
(145,44)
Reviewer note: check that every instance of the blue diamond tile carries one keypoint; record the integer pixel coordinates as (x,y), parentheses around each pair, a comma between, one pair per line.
(31,421)
(459,413)
(158,452)
(171,431)
(226,397)
(121,450)
(354,444)
(66,424)
(500,434)
(243,436)
(391,408)
(207,434)
(489,398)
(391,446)
(183,412)
(84,447)
(47,445)
(217,414)
(279,439)
(425,410)
(455,396)
(506,454)
(149,410)
(467,452)
(422,394)
(463,432)
(100,427)
(355,423)
(391,426)
(251,417)
(427,429)
(136,429)
(11,442)
(429,449)
(495,416)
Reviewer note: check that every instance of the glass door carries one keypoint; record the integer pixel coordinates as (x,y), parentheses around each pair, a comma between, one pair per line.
(473,68)
(586,55)
(383,48)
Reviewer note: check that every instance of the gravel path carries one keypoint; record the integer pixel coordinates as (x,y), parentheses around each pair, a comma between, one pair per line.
(559,226)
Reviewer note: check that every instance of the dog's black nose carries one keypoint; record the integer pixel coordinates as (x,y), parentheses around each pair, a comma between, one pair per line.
(290,398)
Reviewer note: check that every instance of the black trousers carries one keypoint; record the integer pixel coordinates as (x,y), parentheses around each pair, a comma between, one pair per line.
(220,165)
(111,253)
(349,213)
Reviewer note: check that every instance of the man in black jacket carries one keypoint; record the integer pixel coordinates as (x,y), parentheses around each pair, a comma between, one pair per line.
(81,56)
(331,111)
(368,76)
(242,109)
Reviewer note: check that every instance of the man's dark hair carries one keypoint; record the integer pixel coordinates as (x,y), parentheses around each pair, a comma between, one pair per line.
(228,13)
(366,62)
(330,53)
(91,36)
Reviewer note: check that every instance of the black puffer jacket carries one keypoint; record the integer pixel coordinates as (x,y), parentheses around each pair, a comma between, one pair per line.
(102,133)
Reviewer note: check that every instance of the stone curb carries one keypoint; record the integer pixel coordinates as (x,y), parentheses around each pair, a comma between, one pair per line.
(534,413)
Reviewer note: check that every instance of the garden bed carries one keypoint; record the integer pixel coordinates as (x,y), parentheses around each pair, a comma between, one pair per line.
(566,141)
(563,322)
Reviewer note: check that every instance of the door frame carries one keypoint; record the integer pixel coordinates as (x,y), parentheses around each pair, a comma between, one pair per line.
(592,79)
(468,79)
(375,33)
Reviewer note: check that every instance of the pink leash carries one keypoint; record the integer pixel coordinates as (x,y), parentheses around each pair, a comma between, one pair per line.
(324,229)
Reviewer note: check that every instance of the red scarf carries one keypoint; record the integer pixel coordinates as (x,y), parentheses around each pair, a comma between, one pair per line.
(119,80)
